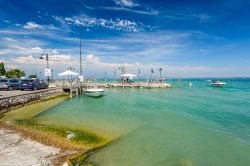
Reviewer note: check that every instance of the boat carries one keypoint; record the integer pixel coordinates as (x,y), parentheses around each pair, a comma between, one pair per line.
(190,84)
(94,92)
(218,83)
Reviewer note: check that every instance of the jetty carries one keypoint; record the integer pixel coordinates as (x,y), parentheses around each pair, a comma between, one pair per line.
(12,99)
(77,87)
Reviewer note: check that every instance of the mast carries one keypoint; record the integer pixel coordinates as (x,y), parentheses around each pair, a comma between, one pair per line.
(80,52)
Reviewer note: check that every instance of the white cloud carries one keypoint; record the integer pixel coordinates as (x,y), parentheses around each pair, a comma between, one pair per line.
(14,50)
(33,25)
(19,47)
(149,11)
(94,66)
(32,64)
(187,15)
(55,51)
(126,3)
(116,24)
(92,59)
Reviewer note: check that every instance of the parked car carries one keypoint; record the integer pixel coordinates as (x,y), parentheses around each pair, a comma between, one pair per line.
(9,84)
(33,84)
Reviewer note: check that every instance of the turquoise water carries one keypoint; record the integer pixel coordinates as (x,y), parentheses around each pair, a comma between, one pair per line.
(198,125)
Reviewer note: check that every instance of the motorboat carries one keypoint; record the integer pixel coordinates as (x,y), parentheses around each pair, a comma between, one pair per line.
(94,92)
(218,83)
(190,84)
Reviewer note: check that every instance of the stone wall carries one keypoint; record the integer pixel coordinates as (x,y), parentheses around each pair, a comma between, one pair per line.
(12,102)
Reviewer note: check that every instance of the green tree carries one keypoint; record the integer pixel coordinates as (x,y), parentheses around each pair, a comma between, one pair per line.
(15,73)
(2,69)
(33,76)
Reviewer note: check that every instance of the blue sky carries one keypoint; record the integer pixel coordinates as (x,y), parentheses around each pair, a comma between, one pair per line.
(185,38)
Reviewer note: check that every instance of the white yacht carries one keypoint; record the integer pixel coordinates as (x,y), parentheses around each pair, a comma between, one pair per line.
(94,92)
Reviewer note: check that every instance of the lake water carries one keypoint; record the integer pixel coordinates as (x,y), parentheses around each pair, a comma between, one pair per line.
(198,125)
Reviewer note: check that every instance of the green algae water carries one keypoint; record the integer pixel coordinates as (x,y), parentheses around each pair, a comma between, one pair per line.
(188,126)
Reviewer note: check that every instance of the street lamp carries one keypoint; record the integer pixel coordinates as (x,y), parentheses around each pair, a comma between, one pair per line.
(70,68)
(40,76)
(152,72)
(160,70)
(122,69)
(47,59)
(114,75)
(105,77)
(139,72)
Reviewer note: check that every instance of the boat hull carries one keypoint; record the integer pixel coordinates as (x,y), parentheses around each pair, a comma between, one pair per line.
(218,84)
(94,92)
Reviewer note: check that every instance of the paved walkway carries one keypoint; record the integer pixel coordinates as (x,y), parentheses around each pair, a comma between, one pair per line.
(5,93)
(16,150)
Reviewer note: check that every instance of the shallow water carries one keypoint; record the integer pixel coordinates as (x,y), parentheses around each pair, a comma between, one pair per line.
(198,125)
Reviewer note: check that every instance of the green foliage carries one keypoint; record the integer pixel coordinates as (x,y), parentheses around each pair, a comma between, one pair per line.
(2,69)
(33,76)
(15,73)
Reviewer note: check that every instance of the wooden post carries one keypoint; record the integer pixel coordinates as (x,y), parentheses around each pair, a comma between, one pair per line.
(77,90)
(77,87)
(80,88)
(70,89)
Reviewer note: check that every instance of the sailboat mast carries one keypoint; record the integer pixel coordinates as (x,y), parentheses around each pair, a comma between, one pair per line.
(80,53)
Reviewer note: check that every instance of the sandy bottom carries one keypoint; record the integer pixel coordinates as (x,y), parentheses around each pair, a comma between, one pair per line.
(17,150)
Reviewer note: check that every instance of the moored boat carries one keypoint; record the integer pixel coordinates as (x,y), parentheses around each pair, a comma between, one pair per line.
(94,92)
(218,83)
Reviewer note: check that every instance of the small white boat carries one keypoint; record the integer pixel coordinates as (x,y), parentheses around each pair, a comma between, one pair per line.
(218,83)
(190,84)
(94,92)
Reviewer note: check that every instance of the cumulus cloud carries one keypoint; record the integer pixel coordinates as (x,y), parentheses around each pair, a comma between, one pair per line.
(14,49)
(93,59)
(32,63)
(94,66)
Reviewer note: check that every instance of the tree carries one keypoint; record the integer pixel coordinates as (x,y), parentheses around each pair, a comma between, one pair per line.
(15,73)
(2,69)
(33,76)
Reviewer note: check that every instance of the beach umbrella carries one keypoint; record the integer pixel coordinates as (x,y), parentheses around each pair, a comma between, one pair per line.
(130,76)
(68,73)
